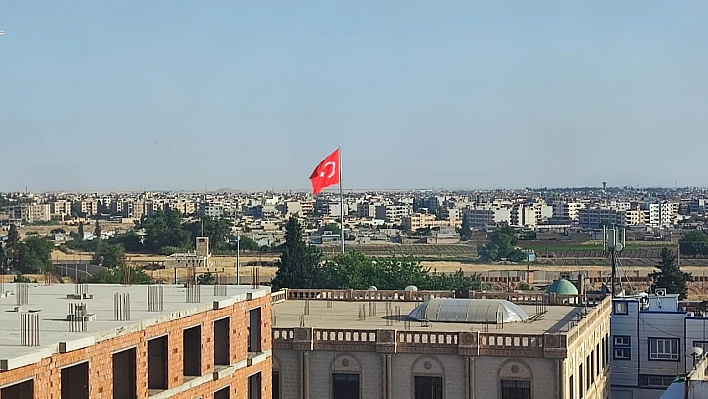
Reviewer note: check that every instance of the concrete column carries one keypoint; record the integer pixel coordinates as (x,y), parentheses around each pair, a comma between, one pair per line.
(468,384)
(560,375)
(305,382)
(388,385)
(472,381)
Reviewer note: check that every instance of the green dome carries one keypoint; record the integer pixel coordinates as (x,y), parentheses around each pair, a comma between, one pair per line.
(562,286)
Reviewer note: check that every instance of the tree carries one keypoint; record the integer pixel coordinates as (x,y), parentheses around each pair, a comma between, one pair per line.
(164,229)
(354,270)
(299,262)
(109,255)
(35,255)
(247,244)
(218,231)
(118,276)
(694,242)
(502,245)
(333,228)
(3,256)
(13,247)
(466,230)
(80,234)
(670,276)
(97,230)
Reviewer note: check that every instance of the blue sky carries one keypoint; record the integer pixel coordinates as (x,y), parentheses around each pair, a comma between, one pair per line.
(136,95)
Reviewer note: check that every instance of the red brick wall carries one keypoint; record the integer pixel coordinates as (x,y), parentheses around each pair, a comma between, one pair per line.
(47,373)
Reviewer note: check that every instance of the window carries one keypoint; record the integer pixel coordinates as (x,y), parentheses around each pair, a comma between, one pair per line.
(75,381)
(428,387)
(222,354)
(515,389)
(276,384)
(621,308)
(23,390)
(345,386)
(571,386)
(254,330)
(655,381)
(581,381)
(664,349)
(597,359)
(192,351)
(254,386)
(591,369)
(588,370)
(223,393)
(124,375)
(622,349)
(701,344)
(157,363)
(605,352)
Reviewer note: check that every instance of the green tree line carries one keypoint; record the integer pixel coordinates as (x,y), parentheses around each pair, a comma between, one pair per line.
(304,266)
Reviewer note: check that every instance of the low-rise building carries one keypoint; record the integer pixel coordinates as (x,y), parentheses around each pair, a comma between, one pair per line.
(408,344)
(650,339)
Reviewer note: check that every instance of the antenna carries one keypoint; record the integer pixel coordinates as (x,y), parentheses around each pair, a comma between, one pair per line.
(613,240)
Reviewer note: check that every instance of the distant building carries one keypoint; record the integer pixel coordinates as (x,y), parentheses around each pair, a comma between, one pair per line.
(484,216)
(87,207)
(425,221)
(60,209)
(29,213)
(393,213)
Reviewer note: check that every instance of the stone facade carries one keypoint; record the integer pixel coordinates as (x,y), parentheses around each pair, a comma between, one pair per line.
(471,364)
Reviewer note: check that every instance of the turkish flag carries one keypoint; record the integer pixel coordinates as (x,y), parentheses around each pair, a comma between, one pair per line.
(326,173)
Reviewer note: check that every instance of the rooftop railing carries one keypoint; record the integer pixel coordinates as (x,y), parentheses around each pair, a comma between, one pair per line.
(468,343)
(519,298)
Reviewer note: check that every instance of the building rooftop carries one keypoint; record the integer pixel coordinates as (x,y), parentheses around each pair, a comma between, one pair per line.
(562,286)
(346,315)
(52,305)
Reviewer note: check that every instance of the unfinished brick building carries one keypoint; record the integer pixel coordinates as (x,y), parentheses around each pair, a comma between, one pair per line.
(113,341)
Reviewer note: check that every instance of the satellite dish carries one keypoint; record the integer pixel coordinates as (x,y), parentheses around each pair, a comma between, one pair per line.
(619,247)
(694,352)
(372,288)
(411,288)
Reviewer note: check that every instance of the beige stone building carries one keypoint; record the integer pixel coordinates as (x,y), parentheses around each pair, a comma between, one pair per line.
(60,209)
(86,207)
(425,221)
(346,344)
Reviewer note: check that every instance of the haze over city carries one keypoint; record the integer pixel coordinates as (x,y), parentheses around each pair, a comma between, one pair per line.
(249,95)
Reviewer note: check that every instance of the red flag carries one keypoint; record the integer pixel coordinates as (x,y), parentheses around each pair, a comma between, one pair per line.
(326,173)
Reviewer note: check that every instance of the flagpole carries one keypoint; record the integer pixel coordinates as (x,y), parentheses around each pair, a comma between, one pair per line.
(341,197)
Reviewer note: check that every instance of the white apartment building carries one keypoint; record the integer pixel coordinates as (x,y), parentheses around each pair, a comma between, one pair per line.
(483,216)
(530,214)
(650,340)
(393,213)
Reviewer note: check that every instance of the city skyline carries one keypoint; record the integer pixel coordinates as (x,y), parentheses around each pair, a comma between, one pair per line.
(134,96)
